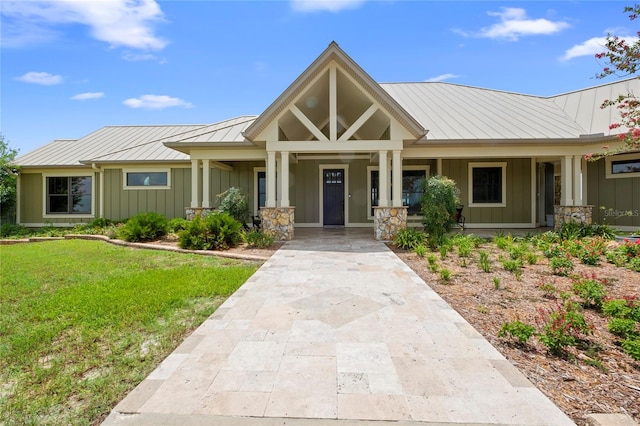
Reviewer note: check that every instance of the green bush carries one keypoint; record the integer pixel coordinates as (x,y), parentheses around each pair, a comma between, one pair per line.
(177,224)
(234,202)
(516,329)
(438,207)
(257,238)
(563,326)
(146,226)
(12,230)
(421,251)
(561,266)
(590,289)
(632,347)
(623,327)
(484,262)
(217,231)
(409,239)
(620,308)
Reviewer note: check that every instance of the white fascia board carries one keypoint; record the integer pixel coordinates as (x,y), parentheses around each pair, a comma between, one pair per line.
(346,146)
(229,154)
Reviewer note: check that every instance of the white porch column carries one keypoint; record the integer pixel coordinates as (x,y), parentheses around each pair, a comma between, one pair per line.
(566,180)
(577,180)
(271,179)
(396,169)
(195,166)
(383,176)
(284,179)
(206,173)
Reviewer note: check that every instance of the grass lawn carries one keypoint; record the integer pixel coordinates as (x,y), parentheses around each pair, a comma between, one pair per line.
(83,322)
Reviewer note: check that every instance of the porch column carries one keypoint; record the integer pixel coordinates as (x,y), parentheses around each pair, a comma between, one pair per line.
(271,179)
(206,172)
(577,179)
(195,165)
(383,198)
(396,169)
(284,179)
(566,181)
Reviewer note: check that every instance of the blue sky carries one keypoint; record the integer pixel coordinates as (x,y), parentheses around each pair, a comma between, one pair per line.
(71,67)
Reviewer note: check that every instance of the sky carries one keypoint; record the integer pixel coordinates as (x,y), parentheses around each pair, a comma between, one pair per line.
(70,67)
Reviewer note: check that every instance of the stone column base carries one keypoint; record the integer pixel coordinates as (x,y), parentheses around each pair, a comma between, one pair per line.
(192,212)
(387,221)
(278,222)
(567,214)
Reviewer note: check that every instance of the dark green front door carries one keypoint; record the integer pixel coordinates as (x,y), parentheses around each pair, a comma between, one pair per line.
(333,199)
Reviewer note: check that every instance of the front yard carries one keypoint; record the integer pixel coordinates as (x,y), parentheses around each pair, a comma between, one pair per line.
(498,282)
(82,322)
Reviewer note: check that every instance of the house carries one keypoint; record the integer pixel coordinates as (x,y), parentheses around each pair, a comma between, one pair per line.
(336,148)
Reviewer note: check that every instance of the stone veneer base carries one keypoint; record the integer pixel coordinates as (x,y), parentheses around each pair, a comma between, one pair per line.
(278,222)
(567,214)
(387,221)
(191,212)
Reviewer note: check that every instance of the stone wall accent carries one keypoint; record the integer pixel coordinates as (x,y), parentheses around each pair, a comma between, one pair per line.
(191,212)
(566,214)
(387,221)
(278,222)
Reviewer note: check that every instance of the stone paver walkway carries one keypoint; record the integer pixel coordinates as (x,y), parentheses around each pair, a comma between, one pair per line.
(336,327)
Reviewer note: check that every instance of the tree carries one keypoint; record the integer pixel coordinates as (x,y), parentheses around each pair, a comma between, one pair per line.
(439,201)
(622,58)
(8,179)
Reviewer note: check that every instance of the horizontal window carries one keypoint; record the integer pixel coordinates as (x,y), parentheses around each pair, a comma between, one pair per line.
(412,181)
(487,184)
(623,166)
(146,179)
(69,195)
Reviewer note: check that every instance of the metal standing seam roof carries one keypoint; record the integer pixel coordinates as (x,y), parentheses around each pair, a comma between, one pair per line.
(455,112)
(450,112)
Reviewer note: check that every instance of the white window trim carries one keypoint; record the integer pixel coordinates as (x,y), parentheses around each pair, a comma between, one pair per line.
(256,170)
(146,170)
(92,175)
(425,167)
(322,168)
(503,165)
(620,157)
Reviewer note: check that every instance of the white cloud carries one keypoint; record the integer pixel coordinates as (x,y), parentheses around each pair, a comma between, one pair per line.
(43,78)
(137,57)
(441,77)
(514,24)
(156,102)
(325,5)
(591,47)
(127,23)
(87,96)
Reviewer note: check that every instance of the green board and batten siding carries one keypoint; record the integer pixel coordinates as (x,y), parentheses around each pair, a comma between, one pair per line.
(613,199)
(518,191)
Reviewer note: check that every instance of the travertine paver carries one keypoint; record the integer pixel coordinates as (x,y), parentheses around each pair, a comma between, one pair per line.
(335,326)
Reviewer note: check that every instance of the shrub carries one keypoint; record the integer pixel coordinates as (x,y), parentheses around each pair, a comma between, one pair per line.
(590,289)
(409,239)
(257,238)
(519,330)
(484,262)
(496,283)
(632,347)
(512,265)
(562,327)
(420,250)
(438,207)
(623,327)
(561,266)
(12,230)
(177,224)
(217,231)
(236,204)
(445,274)
(549,289)
(622,308)
(146,226)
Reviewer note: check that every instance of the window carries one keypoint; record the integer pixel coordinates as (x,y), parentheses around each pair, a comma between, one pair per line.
(69,195)
(146,179)
(487,184)
(623,166)
(412,179)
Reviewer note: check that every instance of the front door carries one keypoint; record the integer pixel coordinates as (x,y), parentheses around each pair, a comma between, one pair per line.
(333,197)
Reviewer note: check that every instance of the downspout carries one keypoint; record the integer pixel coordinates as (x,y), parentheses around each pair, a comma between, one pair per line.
(101,189)
(18,197)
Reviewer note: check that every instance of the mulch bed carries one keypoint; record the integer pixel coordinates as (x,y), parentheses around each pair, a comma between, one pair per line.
(602,379)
